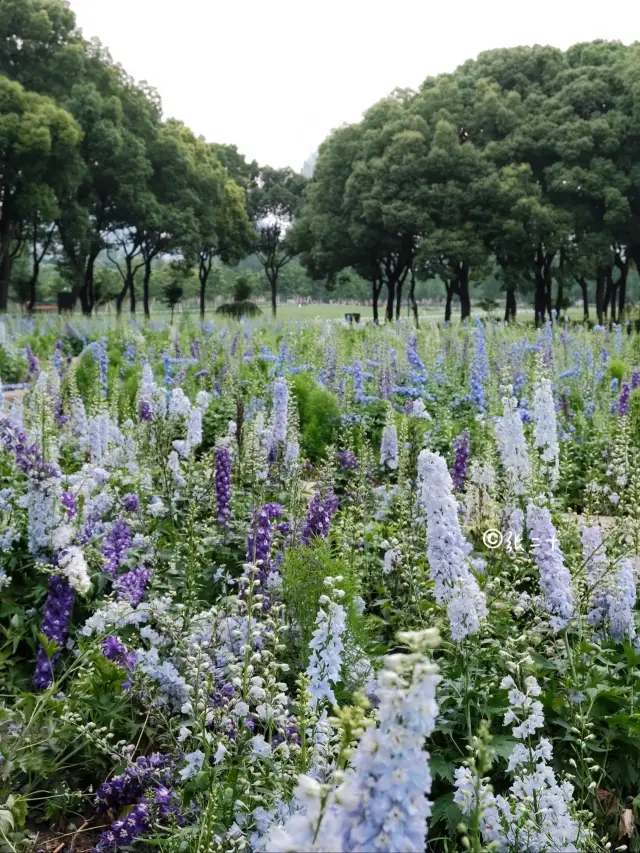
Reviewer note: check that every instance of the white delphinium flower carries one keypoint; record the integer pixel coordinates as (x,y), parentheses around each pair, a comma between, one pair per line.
(327,646)
(74,567)
(447,549)
(194,428)
(389,445)
(545,430)
(513,822)
(512,445)
(179,405)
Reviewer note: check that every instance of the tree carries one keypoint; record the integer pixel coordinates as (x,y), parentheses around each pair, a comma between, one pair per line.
(223,229)
(38,143)
(173,296)
(273,203)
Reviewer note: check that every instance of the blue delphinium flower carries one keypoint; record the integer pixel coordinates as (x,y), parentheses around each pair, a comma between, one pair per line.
(555,579)
(447,549)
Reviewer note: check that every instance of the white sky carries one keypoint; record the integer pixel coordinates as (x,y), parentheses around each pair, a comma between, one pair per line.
(275,77)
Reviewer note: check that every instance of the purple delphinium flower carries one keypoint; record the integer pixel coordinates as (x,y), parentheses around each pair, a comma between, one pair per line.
(223,484)
(68,501)
(33,362)
(131,586)
(461,452)
(155,769)
(131,502)
(146,411)
(123,832)
(27,456)
(259,545)
(635,380)
(623,400)
(115,650)
(55,622)
(116,545)
(347,460)
(319,517)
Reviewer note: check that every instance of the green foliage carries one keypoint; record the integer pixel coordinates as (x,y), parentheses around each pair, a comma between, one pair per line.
(319,415)
(237,310)
(303,573)
(617,369)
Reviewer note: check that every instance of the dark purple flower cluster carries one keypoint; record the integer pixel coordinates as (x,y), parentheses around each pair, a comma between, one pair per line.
(635,380)
(55,623)
(259,545)
(68,501)
(319,517)
(148,771)
(347,460)
(223,693)
(116,544)
(115,650)
(131,502)
(146,411)
(223,484)
(623,400)
(132,586)
(27,456)
(33,362)
(123,832)
(461,452)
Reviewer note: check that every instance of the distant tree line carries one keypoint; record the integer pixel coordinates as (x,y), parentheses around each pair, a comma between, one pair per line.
(520,169)
(90,170)
(523,163)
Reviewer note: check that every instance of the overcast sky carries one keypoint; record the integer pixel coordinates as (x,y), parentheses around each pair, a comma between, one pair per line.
(275,78)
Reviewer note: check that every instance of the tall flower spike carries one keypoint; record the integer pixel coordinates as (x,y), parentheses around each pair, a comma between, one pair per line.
(448,551)
(327,646)
(545,430)
(555,579)
(280,410)
(512,445)
(223,484)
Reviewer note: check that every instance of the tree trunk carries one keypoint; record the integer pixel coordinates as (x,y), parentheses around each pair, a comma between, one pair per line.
(87,295)
(121,296)
(5,263)
(463,290)
(145,287)
(540,301)
(273,280)
(412,298)
(510,306)
(610,294)
(584,286)
(203,275)
(375,292)
(560,297)
(623,266)
(33,287)
(449,302)
(399,288)
(600,286)
(132,294)
(391,292)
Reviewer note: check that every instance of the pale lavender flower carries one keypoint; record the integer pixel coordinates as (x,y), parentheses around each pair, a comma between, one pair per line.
(555,579)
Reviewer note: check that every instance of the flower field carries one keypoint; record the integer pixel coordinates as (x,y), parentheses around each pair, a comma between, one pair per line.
(306,587)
